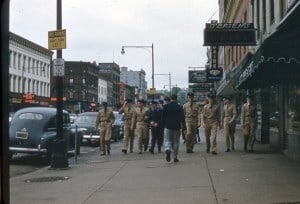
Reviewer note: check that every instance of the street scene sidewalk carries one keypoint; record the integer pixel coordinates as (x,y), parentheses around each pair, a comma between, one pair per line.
(264,176)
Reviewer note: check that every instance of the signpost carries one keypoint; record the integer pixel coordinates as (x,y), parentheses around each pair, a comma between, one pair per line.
(58,67)
(57,39)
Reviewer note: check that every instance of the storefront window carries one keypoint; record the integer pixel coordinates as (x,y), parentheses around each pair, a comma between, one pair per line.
(293,107)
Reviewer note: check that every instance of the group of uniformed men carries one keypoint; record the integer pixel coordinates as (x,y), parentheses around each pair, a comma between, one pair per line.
(208,116)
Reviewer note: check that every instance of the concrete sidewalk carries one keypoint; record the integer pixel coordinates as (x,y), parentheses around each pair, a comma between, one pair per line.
(229,177)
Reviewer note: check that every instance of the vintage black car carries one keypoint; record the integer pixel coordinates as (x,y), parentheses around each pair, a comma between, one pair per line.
(33,130)
(86,123)
(118,127)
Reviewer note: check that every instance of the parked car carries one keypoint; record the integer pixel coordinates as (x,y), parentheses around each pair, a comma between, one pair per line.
(33,130)
(73,117)
(85,123)
(118,127)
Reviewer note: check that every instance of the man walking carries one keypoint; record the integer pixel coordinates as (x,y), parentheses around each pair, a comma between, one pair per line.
(105,119)
(142,127)
(211,122)
(173,120)
(228,122)
(155,119)
(249,123)
(129,119)
(192,117)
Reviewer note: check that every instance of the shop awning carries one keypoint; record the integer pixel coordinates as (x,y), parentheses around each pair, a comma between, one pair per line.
(277,61)
(227,85)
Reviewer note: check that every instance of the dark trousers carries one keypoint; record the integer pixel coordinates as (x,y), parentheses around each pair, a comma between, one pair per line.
(156,137)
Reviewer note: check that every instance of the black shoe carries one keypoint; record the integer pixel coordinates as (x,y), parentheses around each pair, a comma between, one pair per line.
(140,152)
(124,151)
(207,150)
(251,150)
(176,160)
(228,150)
(168,155)
(131,151)
(151,151)
(108,152)
(214,152)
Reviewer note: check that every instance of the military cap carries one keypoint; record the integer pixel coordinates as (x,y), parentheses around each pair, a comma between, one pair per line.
(104,103)
(212,96)
(128,100)
(174,97)
(226,98)
(190,94)
(153,102)
(141,101)
(167,99)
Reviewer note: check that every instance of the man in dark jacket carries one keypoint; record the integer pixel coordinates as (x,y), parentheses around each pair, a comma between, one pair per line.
(173,120)
(156,125)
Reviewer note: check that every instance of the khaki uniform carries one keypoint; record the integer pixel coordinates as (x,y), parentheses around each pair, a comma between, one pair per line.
(210,114)
(228,122)
(129,120)
(192,117)
(142,127)
(105,119)
(249,124)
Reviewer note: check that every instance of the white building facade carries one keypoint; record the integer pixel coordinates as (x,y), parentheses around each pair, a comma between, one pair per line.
(29,69)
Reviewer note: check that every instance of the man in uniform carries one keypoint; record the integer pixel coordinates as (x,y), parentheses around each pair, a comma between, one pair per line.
(211,121)
(142,126)
(249,123)
(192,121)
(228,122)
(129,119)
(105,119)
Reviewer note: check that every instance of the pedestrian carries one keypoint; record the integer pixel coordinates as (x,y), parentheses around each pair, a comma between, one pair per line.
(105,119)
(155,118)
(211,121)
(228,122)
(129,125)
(173,120)
(249,122)
(142,125)
(192,121)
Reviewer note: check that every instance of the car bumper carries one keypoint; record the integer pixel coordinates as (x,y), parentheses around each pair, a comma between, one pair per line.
(28,150)
(91,138)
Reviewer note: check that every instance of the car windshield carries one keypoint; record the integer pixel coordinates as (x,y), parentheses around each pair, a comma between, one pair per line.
(86,119)
(118,116)
(31,116)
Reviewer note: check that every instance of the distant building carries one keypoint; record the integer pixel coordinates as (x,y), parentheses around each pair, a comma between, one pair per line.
(29,73)
(135,79)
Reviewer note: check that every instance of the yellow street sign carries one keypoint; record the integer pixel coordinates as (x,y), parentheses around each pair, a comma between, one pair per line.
(57,39)
(152,91)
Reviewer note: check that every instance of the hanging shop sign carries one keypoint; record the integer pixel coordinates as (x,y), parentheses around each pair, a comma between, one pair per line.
(229,34)
(197,76)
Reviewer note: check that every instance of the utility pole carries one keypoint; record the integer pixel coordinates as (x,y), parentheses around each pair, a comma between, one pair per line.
(59,157)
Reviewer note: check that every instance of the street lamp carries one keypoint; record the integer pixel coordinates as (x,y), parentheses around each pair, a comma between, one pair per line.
(169,81)
(152,48)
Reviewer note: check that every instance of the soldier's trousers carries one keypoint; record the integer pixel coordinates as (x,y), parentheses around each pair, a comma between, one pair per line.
(105,136)
(143,135)
(211,135)
(191,131)
(229,130)
(249,135)
(128,137)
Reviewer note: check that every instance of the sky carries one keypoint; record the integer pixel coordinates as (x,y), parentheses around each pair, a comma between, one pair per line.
(96,30)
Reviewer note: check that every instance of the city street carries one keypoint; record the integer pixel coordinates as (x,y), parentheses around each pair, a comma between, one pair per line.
(235,177)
